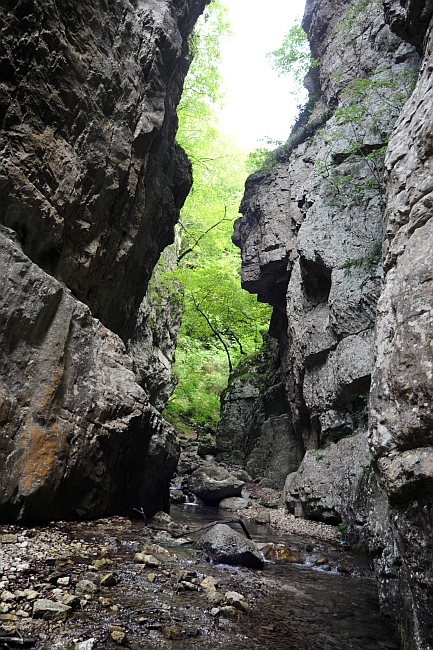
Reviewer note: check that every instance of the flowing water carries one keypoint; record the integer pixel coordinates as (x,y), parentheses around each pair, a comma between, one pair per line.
(306,607)
(327,602)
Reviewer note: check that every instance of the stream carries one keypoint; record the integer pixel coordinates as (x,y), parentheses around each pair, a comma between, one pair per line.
(327,602)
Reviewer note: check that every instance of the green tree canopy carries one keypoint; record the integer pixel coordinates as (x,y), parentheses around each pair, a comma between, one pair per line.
(221,321)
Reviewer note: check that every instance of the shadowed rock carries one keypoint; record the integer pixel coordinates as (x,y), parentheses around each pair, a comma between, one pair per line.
(226,546)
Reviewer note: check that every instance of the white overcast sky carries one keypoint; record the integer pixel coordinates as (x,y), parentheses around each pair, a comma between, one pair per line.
(258,103)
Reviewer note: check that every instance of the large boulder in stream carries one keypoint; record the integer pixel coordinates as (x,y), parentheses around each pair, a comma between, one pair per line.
(212,483)
(226,546)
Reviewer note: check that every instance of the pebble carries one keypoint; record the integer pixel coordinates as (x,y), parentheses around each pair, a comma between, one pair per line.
(108,580)
(87,586)
(117,633)
(85,645)
(148,560)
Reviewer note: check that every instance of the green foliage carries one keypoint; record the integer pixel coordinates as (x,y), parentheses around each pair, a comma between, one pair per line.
(353,166)
(341,528)
(221,322)
(367,262)
(262,157)
(294,57)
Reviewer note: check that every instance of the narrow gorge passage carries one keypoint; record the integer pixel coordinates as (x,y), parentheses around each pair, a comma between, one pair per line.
(120,278)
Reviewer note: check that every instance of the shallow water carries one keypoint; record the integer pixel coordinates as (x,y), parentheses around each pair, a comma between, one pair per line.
(328,602)
(305,607)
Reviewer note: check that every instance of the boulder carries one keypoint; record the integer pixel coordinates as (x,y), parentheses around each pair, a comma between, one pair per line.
(212,484)
(50,610)
(226,546)
(233,503)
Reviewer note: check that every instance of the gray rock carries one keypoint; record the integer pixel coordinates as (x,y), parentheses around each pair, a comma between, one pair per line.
(255,429)
(312,236)
(326,486)
(76,423)
(233,503)
(263,517)
(401,423)
(226,546)
(212,484)
(50,610)
(87,586)
(114,152)
(96,126)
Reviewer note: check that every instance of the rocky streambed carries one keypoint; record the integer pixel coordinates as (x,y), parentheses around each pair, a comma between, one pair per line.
(118,583)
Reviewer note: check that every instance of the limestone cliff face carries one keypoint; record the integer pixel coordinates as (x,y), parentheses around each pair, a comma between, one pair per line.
(401,425)
(311,233)
(339,240)
(91,183)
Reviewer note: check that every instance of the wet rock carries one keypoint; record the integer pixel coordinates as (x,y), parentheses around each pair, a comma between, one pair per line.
(85,645)
(151,577)
(263,517)
(237,600)
(226,546)
(108,580)
(288,554)
(229,611)
(172,632)
(147,560)
(212,483)
(50,610)
(156,549)
(117,633)
(269,550)
(233,503)
(70,600)
(209,584)
(87,586)
(177,496)
(215,598)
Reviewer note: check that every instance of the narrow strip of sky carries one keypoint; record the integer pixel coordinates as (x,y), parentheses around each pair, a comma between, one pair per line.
(259,103)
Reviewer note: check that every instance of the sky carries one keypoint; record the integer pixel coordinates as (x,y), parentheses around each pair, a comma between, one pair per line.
(259,103)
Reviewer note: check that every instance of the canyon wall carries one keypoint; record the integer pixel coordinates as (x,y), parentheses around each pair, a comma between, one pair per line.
(91,183)
(336,235)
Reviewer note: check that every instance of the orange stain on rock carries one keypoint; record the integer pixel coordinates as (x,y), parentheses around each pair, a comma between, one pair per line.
(40,455)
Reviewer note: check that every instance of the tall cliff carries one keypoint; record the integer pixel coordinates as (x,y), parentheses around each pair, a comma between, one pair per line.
(91,183)
(336,235)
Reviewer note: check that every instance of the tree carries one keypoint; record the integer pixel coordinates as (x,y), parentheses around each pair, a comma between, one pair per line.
(293,57)
(221,322)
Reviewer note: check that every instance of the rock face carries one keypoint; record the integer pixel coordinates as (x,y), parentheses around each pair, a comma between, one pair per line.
(226,546)
(255,430)
(326,485)
(79,436)
(153,342)
(330,241)
(90,178)
(91,184)
(401,423)
(311,231)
